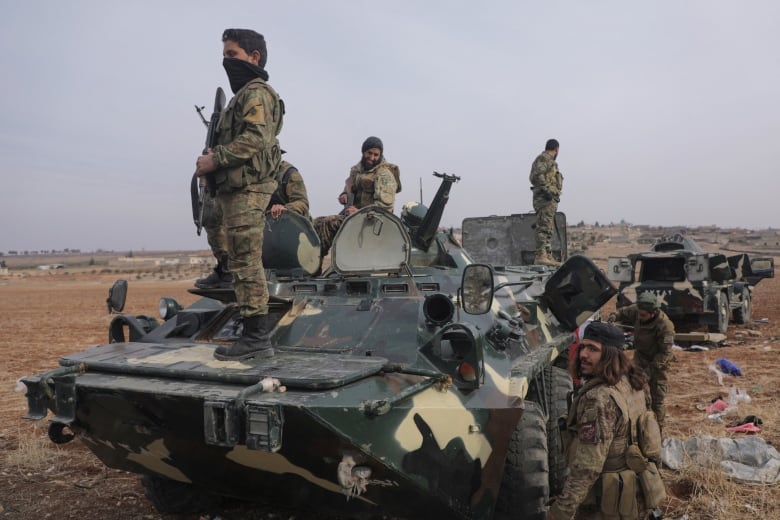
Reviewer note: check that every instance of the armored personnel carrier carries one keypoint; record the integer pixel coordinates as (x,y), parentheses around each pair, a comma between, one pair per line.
(694,287)
(407,380)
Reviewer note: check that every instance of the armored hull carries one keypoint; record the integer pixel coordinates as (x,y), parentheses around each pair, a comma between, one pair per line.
(406,380)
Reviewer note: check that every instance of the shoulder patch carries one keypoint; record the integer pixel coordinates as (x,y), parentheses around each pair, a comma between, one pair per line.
(256,114)
(587,433)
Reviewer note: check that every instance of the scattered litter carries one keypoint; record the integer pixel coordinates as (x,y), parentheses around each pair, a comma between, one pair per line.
(715,417)
(718,405)
(744,428)
(677,347)
(761,320)
(754,334)
(697,348)
(717,372)
(738,395)
(750,419)
(728,367)
(19,388)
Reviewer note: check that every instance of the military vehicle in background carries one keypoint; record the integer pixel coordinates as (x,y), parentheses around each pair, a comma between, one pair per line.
(407,380)
(695,288)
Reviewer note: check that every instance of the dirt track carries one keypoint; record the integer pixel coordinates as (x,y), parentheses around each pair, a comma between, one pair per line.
(45,316)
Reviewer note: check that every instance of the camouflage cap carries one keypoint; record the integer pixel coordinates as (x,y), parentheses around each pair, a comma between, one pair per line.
(647,301)
(605,333)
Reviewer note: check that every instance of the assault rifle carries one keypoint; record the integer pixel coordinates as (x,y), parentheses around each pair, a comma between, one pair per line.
(211,142)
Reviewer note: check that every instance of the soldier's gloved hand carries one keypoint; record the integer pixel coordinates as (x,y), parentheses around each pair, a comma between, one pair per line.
(557,198)
(612,317)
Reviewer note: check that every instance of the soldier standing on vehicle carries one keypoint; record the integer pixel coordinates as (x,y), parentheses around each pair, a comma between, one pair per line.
(653,340)
(290,195)
(546,185)
(243,165)
(598,430)
(372,182)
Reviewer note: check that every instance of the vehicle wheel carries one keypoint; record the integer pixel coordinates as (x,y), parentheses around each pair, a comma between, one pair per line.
(171,496)
(525,487)
(743,312)
(559,386)
(722,323)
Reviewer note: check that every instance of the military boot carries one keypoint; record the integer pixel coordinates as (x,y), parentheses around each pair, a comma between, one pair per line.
(545,258)
(219,279)
(255,341)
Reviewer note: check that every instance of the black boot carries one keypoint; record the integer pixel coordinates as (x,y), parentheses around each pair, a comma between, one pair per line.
(255,341)
(219,279)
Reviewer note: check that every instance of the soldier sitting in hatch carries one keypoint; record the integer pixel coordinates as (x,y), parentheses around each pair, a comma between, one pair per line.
(371,182)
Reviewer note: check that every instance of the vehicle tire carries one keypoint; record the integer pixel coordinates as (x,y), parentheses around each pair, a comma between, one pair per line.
(743,312)
(722,319)
(559,387)
(525,487)
(171,496)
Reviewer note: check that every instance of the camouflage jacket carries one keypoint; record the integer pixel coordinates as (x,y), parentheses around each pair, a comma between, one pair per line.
(290,191)
(653,340)
(248,151)
(597,427)
(376,186)
(545,175)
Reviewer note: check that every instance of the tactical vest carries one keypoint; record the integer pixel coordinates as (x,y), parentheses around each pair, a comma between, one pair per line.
(261,166)
(640,450)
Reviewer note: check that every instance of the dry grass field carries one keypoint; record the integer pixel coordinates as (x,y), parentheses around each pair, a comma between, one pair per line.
(46,314)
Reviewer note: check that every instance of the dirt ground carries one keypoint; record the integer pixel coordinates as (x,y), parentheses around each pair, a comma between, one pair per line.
(44,315)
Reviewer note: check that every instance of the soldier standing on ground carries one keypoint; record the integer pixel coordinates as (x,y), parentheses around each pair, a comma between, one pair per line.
(597,430)
(653,340)
(372,182)
(546,184)
(243,165)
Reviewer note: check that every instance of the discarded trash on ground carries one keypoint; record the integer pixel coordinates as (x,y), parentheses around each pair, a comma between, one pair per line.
(728,367)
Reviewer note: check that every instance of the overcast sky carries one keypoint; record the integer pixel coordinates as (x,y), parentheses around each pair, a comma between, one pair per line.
(667,111)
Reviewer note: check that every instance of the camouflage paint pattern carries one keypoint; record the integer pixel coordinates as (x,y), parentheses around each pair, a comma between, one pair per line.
(692,286)
(244,220)
(291,195)
(653,343)
(597,435)
(384,396)
(546,185)
(376,186)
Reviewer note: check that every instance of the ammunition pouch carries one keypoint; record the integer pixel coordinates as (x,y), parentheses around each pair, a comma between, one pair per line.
(635,460)
(653,488)
(618,495)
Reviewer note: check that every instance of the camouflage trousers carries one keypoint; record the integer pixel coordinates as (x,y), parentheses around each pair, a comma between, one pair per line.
(326,228)
(658,381)
(215,230)
(243,215)
(545,220)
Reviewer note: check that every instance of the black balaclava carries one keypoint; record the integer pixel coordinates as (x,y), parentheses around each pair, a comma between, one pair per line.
(241,72)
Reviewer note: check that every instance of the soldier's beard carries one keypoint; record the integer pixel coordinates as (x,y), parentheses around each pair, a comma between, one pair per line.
(368,163)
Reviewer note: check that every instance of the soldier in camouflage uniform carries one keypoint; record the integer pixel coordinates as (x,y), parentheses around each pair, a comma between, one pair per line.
(290,195)
(546,184)
(243,165)
(597,431)
(653,340)
(371,182)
